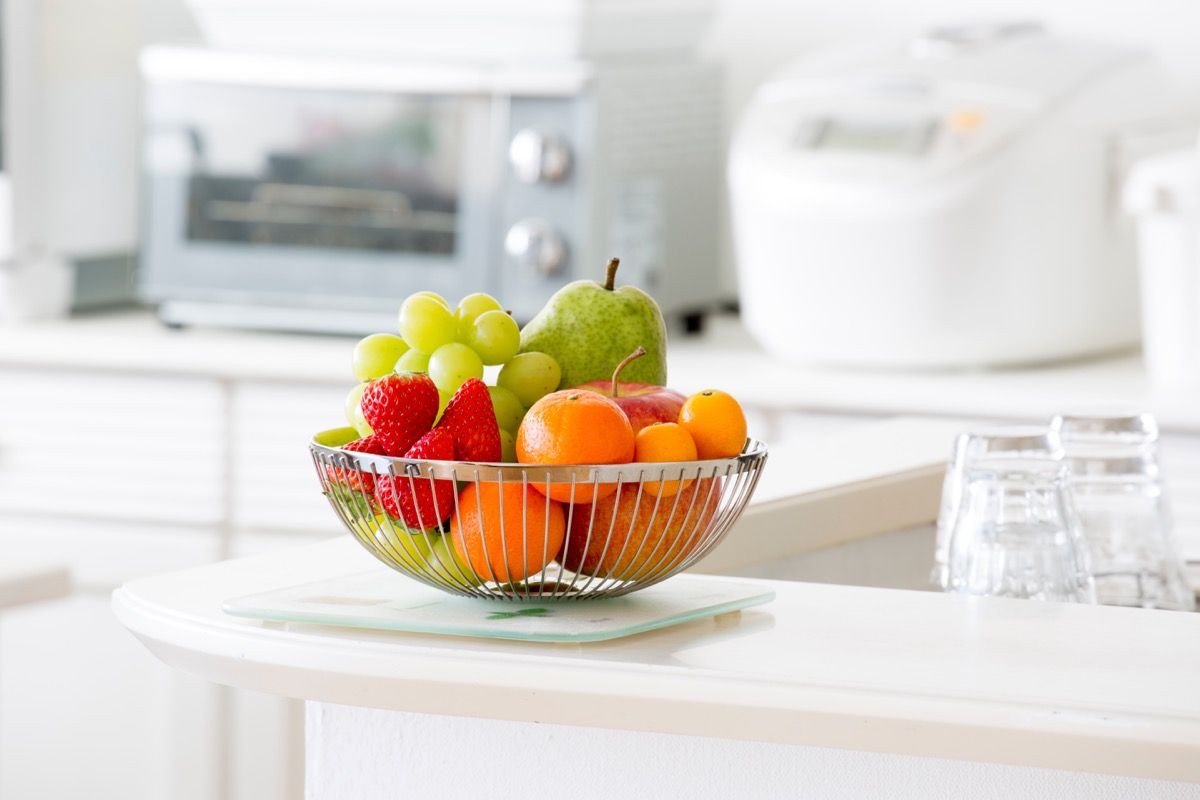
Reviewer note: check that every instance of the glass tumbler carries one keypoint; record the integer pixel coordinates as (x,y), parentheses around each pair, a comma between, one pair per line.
(997,441)
(1117,489)
(1016,534)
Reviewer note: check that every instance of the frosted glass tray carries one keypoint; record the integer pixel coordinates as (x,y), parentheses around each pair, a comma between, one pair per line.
(383,600)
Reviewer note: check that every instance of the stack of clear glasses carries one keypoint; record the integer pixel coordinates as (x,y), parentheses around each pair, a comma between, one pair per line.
(971,448)
(1116,485)
(1074,512)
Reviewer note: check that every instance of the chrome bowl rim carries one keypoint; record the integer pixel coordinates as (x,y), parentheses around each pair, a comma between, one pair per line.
(632,472)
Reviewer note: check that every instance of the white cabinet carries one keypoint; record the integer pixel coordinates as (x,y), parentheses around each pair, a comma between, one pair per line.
(126,474)
(83,713)
(265,745)
(116,476)
(273,482)
(84,710)
(119,447)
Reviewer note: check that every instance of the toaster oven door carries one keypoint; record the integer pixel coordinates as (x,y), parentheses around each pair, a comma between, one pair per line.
(322,198)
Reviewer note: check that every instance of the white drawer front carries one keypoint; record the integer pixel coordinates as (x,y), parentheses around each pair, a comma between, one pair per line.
(275,486)
(111,446)
(103,555)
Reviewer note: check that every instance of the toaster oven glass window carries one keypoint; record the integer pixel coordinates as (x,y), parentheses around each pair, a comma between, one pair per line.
(888,138)
(332,170)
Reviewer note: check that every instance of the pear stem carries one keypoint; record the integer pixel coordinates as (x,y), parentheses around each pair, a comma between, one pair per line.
(634,356)
(610,278)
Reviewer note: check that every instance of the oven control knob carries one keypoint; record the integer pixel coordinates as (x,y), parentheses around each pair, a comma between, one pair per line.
(536,245)
(539,157)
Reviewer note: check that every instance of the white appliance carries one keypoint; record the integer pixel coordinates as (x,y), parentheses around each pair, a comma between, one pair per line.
(1164,194)
(949,200)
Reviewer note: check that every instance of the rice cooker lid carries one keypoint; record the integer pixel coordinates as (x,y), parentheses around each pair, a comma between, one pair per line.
(1013,57)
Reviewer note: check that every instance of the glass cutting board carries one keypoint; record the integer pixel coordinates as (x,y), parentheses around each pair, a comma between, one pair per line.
(382,600)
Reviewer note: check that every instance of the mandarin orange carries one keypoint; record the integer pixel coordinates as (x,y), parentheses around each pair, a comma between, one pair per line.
(716,422)
(575,426)
(664,441)
(506,532)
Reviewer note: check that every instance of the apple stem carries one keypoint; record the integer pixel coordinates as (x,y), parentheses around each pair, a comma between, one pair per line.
(634,356)
(610,278)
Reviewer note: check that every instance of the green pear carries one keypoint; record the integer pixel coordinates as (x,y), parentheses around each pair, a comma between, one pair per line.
(589,327)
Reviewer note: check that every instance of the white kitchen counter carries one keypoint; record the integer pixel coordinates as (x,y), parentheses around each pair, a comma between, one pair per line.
(1093,689)
(725,355)
(231,411)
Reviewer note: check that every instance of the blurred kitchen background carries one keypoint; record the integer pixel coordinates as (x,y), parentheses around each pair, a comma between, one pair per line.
(198,205)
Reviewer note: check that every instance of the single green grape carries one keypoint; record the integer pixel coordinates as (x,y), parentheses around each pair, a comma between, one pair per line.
(507,408)
(443,401)
(335,437)
(413,361)
(452,364)
(446,564)
(530,376)
(471,307)
(353,401)
(508,447)
(425,323)
(495,336)
(411,548)
(376,355)
(360,424)
(434,295)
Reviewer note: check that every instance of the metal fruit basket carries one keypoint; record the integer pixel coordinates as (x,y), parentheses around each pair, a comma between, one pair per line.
(626,540)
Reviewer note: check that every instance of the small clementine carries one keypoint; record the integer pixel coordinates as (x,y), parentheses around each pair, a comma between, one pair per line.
(664,441)
(574,426)
(716,423)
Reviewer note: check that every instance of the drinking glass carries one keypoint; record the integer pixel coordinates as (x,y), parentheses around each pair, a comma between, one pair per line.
(997,441)
(1116,487)
(1016,534)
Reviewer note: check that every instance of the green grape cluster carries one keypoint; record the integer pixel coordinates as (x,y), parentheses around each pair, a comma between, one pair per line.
(452,346)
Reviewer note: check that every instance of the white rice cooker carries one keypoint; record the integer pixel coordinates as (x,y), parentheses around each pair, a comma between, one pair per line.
(951,200)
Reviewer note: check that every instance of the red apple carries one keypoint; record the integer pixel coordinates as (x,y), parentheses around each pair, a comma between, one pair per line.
(643,403)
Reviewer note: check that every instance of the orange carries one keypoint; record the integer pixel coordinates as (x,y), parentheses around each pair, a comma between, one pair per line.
(716,423)
(638,537)
(664,441)
(575,426)
(506,531)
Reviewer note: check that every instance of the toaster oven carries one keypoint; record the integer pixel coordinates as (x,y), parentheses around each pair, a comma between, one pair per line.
(313,193)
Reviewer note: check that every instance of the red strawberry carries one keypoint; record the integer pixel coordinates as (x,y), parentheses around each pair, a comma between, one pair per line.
(470,417)
(400,408)
(352,478)
(422,503)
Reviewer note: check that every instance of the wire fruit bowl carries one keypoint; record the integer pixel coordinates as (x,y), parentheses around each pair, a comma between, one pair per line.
(503,537)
